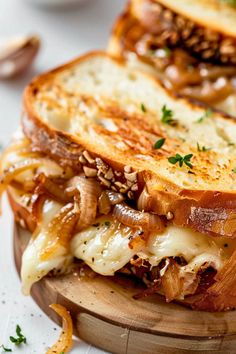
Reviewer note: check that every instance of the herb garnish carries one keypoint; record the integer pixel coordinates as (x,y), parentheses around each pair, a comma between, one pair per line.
(167,116)
(181,160)
(159,143)
(5,349)
(143,108)
(20,337)
(234,170)
(202,148)
(204,116)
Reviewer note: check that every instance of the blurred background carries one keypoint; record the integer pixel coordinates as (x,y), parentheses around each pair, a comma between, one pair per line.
(67,28)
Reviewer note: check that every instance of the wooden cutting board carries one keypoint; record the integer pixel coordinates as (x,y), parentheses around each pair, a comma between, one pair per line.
(106,315)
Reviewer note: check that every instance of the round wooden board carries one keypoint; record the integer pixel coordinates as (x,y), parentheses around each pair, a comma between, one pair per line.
(106,315)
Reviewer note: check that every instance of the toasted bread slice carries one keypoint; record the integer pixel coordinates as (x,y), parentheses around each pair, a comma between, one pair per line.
(100,107)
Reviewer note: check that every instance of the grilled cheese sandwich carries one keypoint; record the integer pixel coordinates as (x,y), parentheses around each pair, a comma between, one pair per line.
(100,176)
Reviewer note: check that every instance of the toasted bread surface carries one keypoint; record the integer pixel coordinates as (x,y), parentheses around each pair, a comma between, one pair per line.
(99,104)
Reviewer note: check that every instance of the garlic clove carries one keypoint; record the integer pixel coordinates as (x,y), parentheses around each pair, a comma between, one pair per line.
(17,54)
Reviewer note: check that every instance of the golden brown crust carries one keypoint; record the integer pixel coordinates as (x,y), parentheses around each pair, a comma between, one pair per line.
(210,212)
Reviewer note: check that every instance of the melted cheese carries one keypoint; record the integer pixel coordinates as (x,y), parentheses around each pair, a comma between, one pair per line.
(105,248)
(196,248)
(33,267)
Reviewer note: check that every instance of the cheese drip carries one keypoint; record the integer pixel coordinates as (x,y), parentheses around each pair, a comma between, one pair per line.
(34,267)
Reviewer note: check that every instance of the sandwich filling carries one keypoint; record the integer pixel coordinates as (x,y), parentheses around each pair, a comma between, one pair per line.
(72,215)
(191,60)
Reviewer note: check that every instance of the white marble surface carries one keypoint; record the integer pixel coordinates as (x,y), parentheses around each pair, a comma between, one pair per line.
(65,33)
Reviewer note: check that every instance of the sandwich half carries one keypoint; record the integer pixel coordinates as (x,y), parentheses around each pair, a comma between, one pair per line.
(112,170)
(190,45)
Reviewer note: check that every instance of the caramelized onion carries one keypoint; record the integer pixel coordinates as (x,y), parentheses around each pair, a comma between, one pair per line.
(180,77)
(37,201)
(30,163)
(213,72)
(19,167)
(189,77)
(226,279)
(64,342)
(107,199)
(52,189)
(134,218)
(172,282)
(87,199)
(115,197)
(60,230)
(15,147)
(144,200)
(104,205)
(209,92)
